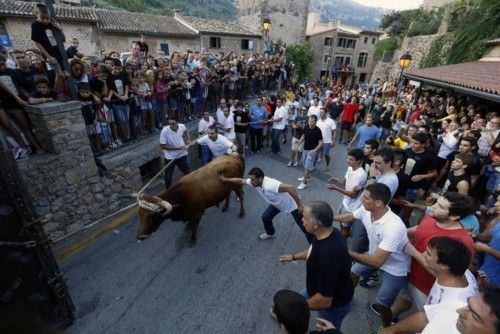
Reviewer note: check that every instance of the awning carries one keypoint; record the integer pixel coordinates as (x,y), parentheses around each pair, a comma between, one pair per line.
(477,78)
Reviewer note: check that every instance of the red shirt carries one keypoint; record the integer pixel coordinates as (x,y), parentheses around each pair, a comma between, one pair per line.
(350,110)
(415,115)
(426,230)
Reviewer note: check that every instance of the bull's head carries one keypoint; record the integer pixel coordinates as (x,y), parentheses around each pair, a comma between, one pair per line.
(152,212)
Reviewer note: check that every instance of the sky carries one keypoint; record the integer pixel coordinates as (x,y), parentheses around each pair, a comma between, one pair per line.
(391,4)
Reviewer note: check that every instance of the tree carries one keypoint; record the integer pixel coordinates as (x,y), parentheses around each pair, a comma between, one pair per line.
(302,55)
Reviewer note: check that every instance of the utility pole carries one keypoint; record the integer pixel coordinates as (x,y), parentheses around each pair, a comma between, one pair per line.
(60,46)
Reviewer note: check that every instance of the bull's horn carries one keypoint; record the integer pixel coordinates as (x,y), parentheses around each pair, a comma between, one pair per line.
(166,205)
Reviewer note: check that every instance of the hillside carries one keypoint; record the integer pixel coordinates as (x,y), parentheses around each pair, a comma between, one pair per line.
(348,11)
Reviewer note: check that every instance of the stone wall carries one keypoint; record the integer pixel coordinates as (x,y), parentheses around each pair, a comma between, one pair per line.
(19,30)
(417,46)
(230,43)
(288,17)
(65,183)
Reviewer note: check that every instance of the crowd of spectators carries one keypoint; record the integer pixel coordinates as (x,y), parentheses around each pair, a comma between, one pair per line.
(125,95)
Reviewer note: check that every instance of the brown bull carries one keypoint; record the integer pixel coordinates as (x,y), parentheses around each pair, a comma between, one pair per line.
(187,199)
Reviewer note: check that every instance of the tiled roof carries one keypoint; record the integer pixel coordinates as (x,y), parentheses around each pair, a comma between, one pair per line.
(25,9)
(478,75)
(217,26)
(120,21)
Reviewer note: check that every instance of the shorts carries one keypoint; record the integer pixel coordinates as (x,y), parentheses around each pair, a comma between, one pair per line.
(390,287)
(308,160)
(410,293)
(326,148)
(295,145)
(346,126)
(92,129)
(121,113)
(146,105)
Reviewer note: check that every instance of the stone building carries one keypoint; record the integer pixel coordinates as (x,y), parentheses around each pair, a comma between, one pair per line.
(216,35)
(288,17)
(100,29)
(342,51)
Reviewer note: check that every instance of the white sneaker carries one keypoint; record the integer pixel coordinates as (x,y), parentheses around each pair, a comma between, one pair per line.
(289,164)
(301,179)
(295,164)
(302,185)
(265,236)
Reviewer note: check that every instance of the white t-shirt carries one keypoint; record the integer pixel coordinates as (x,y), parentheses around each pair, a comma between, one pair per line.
(281,112)
(218,147)
(229,123)
(444,294)
(442,317)
(282,201)
(389,234)
(391,180)
(203,125)
(314,110)
(353,178)
(326,126)
(171,138)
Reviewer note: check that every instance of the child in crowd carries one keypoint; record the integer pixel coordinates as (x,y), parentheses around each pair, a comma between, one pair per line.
(144,98)
(43,32)
(72,51)
(90,115)
(160,99)
(42,93)
(118,85)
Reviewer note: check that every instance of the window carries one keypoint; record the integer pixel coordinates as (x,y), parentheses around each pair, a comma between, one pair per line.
(339,60)
(245,44)
(164,48)
(362,77)
(215,42)
(374,40)
(351,43)
(363,57)
(341,43)
(328,41)
(366,40)
(347,61)
(325,58)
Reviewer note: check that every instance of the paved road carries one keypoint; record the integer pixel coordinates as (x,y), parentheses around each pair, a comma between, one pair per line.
(223,285)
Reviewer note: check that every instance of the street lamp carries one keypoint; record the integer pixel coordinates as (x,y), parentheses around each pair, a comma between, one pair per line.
(266,25)
(404,62)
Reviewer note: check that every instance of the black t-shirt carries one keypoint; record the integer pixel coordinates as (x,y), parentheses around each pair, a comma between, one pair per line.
(336,109)
(452,181)
(312,137)
(404,181)
(26,79)
(88,111)
(329,269)
(96,85)
(302,121)
(418,164)
(10,79)
(143,47)
(71,52)
(244,118)
(117,83)
(44,34)
(386,121)
(52,94)
(367,162)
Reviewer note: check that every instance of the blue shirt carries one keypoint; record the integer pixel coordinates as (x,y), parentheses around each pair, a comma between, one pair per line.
(257,114)
(365,133)
(491,266)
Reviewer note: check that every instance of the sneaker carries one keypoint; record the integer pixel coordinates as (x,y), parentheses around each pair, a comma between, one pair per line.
(289,164)
(295,164)
(374,308)
(265,236)
(370,281)
(302,185)
(273,314)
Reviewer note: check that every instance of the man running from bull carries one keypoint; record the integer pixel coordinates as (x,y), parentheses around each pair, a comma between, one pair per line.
(281,197)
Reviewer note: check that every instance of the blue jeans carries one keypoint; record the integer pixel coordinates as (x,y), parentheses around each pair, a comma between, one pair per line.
(182,163)
(333,314)
(272,211)
(275,143)
(206,155)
